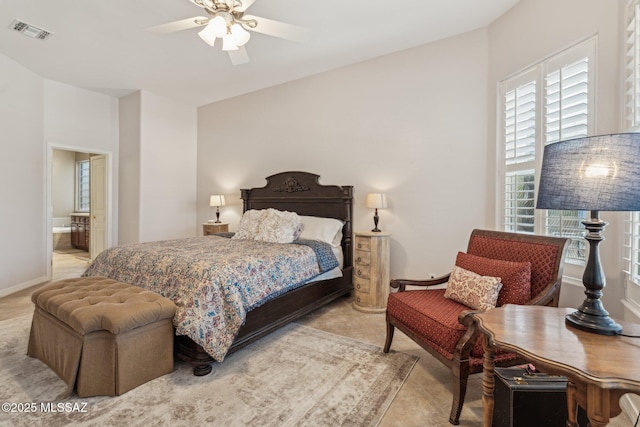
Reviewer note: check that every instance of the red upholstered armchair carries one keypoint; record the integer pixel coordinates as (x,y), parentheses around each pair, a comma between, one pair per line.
(530,268)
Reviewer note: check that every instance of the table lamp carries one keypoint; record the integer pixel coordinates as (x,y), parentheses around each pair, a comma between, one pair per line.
(217,200)
(376,201)
(597,173)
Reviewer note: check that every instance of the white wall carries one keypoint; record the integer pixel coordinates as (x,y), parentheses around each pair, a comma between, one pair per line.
(77,117)
(158,146)
(168,182)
(22,255)
(532,31)
(38,115)
(63,175)
(83,121)
(129,178)
(411,124)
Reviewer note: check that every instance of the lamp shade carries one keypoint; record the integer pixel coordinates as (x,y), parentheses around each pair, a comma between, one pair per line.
(216,200)
(208,36)
(218,26)
(376,200)
(598,173)
(240,35)
(229,43)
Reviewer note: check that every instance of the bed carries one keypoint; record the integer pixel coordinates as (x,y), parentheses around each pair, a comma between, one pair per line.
(298,192)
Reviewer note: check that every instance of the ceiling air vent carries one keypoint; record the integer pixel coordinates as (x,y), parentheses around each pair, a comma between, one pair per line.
(30,30)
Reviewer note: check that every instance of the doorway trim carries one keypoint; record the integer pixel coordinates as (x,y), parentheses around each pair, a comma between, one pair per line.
(48,196)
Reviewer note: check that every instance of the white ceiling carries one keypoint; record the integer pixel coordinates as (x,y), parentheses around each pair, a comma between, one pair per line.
(101,45)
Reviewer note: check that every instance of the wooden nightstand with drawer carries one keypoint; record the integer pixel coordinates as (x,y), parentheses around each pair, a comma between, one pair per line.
(209,228)
(371,271)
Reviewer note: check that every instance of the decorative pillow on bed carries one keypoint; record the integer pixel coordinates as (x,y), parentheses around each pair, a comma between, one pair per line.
(328,230)
(278,227)
(249,223)
(516,276)
(269,225)
(471,289)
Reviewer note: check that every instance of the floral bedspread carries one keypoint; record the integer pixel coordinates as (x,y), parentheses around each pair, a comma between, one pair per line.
(214,281)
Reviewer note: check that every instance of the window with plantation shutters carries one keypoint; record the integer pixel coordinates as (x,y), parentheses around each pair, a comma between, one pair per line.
(632,120)
(632,65)
(519,151)
(519,202)
(567,102)
(549,102)
(632,250)
(520,124)
(567,116)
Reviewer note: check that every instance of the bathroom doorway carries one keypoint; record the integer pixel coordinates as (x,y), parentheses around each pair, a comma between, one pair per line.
(78,202)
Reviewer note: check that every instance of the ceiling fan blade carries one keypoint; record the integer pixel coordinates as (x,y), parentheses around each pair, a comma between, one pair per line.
(239,57)
(245,4)
(203,3)
(181,25)
(279,29)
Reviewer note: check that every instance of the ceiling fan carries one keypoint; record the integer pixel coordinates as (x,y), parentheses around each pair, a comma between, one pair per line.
(227,21)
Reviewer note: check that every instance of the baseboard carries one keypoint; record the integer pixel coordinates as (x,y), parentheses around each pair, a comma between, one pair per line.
(630,405)
(21,286)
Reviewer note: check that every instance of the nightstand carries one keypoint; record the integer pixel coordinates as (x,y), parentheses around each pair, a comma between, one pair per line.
(371,271)
(209,228)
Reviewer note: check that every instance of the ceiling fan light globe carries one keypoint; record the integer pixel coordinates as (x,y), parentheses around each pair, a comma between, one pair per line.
(228,43)
(207,36)
(218,26)
(240,35)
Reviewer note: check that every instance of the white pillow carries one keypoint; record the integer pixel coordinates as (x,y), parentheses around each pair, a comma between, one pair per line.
(249,223)
(328,230)
(269,225)
(278,227)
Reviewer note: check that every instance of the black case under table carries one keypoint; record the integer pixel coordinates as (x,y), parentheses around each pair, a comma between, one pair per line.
(524,400)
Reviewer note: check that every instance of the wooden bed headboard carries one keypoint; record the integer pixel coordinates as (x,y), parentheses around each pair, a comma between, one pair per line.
(301,192)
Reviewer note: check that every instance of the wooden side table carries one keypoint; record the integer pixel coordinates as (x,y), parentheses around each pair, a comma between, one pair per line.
(599,368)
(371,271)
(209,228)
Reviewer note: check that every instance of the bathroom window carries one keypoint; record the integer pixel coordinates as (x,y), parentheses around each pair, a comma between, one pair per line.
(82,186)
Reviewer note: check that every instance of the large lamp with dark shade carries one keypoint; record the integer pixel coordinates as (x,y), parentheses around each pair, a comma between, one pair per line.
(596,173)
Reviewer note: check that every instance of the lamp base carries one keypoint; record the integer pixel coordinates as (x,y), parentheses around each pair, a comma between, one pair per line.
(375,222)
(591,315)
(601,325)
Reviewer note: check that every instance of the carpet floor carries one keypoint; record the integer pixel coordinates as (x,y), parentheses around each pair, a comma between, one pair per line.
(296,376)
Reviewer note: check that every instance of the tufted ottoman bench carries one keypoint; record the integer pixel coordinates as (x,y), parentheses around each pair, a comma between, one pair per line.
(102,336)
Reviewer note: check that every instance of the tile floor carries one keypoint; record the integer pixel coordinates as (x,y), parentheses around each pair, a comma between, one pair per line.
(424,399)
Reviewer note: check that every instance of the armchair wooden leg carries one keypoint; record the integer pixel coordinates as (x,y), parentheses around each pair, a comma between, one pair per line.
(460,377)
(390,330)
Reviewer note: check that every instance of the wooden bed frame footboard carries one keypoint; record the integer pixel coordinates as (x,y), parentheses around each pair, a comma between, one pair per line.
(298,192)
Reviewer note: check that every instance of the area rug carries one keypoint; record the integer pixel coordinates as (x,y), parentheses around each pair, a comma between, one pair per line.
(296,376)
